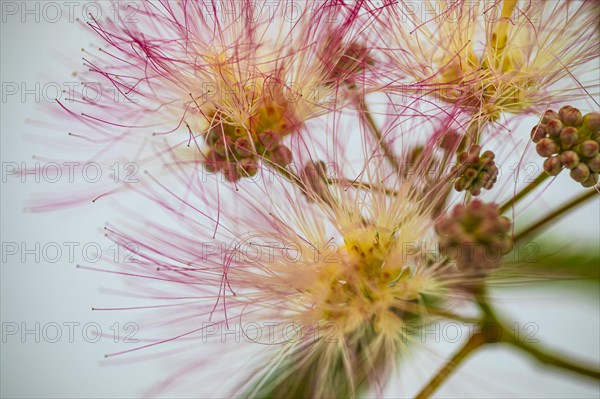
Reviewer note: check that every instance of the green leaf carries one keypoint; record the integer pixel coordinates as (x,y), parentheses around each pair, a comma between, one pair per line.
(549,260)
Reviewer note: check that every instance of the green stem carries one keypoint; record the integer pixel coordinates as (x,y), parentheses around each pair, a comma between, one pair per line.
(387,150)
(324,195)
(476,341)
(526,190)
(473,132)
(549,359)
(291,176)
(483,337)
(557,213)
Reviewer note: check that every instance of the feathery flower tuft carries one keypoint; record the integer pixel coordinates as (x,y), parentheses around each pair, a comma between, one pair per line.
(218,83)
(337,252)
(493,58)
(351,268)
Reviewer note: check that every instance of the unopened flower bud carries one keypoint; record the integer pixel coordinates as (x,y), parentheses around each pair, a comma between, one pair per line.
(570,116)
(589,148)
(580,173)
(568,137)
(314,178)
(553,166)
(546,147)
(470,173)
(238,131)
(354,59)
(488,156)
(221,144)
(570,159)
(554,127)
(243,146)
(594,164)
(548,116)
(281,156)
(591,180)
(247,167)
(592,121)
(538,132)
(231,172)
(413,157)
(269,139)
(213,161)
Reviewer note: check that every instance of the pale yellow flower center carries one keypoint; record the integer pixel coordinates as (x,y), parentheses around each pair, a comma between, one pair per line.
(494,82)
(367,283)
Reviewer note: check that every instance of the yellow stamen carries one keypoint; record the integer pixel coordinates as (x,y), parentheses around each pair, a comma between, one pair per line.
(500,34)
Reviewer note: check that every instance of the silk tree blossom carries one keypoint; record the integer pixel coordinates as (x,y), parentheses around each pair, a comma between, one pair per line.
(325,275)
(345,272)
(341,275)
(493,57)
(372,229)
(219,83)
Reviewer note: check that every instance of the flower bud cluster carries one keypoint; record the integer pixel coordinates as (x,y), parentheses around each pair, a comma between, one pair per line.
(354,60)
(475,171)
(236,151)
(569,139)
(475,236)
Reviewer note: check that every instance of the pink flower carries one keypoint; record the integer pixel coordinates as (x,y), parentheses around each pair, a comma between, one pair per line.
(219,83)
(492,57)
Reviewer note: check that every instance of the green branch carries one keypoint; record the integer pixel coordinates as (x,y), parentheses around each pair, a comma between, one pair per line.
(590,193)
(476,341)
(521,194)
(387,150)
(494,331)
(547,358)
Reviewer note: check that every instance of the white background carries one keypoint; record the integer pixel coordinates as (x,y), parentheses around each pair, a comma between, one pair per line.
(32,292)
